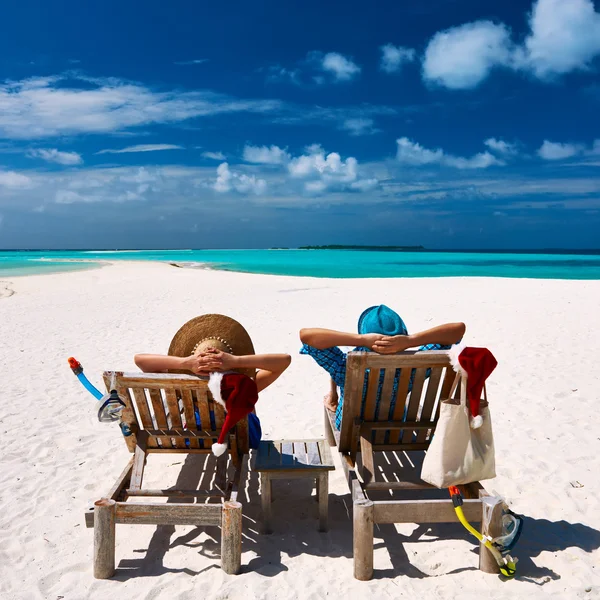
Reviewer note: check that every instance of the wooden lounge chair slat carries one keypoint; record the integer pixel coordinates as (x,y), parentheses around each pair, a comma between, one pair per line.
(433,384)
(414,403)
(137,513)
(202,402)
(385,402)
(355,369)
(159,408)
(371,399)
(401,400)
(141,403)
(189,416)
(176,493)
(431,358)
(175,415)
(424,511)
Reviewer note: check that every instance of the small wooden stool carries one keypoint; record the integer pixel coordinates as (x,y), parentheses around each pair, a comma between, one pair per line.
(294,459)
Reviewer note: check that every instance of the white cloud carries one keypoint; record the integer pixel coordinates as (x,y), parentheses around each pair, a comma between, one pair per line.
(11,179)
(412,153)
(342,68)
(462,57)
(393,57)
(48,106)
(142,148)
(266,155)
(196,61)
(500,146)
(359,126)
(565,36)
(323,172)
(214,155)
(228,180)
(56,156)
(557,151)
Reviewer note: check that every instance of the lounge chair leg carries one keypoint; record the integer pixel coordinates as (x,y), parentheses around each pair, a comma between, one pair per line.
(328,433)
(265,495)
(323,492)
(363,539)
(231,538)
(105,511)
(487,562)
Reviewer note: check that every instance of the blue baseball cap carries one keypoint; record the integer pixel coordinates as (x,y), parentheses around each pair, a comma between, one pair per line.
(381,319)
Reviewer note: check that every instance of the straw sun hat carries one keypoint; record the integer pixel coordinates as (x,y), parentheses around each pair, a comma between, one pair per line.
(217,331)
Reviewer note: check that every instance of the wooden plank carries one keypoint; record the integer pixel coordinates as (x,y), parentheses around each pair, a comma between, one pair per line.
(353,389)
(312,451)
(401,400)
(189,416)
(179,451)
(433,385)
(265,497)
(177,493)
(426,358)
(183,433)
(122,482)
(287,454)
(334,432)
(139,461)
(407,447)
(202,403)
(141,404)
(414,402)
(300,456)
(371,399)
(323,497)
(174,416)
(424,511)
(366,449)
(273,454)
(397,485)
(135,513)
(385,402)
(326,458)
(159,410)
(365,428)
(159,380)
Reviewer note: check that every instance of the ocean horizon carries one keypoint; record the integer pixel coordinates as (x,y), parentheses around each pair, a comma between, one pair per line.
(330,263)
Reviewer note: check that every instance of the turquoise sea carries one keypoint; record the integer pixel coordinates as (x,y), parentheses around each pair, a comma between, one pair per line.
(324,263)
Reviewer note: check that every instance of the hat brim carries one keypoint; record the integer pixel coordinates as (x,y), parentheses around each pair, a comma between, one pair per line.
(212,326)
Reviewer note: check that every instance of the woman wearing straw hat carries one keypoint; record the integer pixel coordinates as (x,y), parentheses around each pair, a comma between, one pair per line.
(213,345)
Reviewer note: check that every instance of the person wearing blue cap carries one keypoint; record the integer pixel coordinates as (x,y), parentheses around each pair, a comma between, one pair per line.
(381,330)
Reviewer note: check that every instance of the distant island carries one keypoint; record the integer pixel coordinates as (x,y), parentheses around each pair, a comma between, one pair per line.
(372,248)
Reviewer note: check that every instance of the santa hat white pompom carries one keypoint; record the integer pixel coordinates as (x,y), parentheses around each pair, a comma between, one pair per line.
(476,422)
(219,449)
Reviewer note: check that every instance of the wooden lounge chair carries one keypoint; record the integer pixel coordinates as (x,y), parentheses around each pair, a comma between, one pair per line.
(161,411)
(406,433)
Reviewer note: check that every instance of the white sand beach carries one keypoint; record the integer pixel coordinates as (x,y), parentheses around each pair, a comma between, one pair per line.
(57,458)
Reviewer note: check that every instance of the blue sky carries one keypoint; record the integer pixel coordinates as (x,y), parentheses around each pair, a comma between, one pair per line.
(447,123)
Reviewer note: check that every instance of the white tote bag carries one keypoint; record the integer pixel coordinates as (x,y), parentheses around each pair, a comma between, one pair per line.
(459,454)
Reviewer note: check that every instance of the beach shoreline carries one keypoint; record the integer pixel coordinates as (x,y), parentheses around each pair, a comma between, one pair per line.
(58,457)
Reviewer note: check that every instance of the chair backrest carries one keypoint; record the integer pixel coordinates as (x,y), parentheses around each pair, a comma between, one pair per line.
(402,389)
(177,411)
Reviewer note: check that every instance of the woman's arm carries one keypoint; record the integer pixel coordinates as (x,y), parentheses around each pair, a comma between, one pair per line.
(158,363)
(326,338)
(269,366)
(447,334)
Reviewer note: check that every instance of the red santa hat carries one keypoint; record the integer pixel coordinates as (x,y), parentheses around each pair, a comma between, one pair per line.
(476,364)
(238,394)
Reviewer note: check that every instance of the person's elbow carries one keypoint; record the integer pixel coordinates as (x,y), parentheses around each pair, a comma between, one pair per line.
(140,362)
(461,329)
(286,361)
(307,336)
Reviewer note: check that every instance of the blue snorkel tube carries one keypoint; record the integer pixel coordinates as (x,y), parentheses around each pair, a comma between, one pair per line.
(112,406)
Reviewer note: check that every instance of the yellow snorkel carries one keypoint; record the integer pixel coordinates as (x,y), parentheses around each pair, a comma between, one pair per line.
(508,564)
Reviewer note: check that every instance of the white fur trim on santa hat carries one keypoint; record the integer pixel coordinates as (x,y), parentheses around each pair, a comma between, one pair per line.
(214,385)
(476,422)
(454,353)
(219,449)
